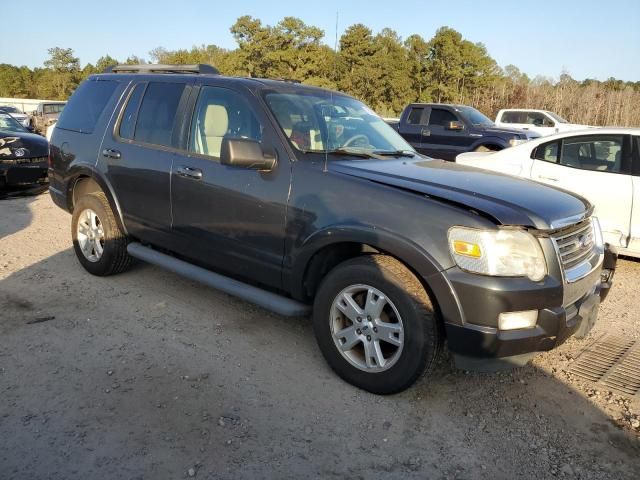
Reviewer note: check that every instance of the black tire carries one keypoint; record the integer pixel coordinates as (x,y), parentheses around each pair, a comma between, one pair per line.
(114,258)
(422,336)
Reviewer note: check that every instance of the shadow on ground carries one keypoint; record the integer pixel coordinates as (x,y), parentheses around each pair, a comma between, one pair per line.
(148,375)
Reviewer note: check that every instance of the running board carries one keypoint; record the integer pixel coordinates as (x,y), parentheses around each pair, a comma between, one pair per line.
(263,298)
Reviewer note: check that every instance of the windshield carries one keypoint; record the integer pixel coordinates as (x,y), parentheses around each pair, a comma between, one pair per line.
(8,123)
(53,108)
(326,122)
(9,109)
(557,118)
(474,116)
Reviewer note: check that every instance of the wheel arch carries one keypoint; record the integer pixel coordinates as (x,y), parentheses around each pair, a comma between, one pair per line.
(329,247)
(490,142)
(84,179)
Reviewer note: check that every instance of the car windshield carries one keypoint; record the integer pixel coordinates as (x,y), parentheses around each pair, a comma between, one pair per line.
(53,108)
(557,118)
(474,116)
(327,122)
(10,124)
(9,109)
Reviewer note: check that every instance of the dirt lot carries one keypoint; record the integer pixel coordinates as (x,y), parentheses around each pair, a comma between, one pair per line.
(147,375)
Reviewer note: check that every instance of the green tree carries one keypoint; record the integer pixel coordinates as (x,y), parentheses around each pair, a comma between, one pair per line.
(63,73)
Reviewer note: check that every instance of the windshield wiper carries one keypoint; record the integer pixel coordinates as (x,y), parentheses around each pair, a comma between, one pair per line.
(352,153)
(395,153)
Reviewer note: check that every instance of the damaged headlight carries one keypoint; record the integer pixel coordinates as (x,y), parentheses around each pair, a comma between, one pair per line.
(501,253)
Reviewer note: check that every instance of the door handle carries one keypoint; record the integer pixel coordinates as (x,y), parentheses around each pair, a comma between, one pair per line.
(552,179)
(425,132)
(110,153)
(189,172)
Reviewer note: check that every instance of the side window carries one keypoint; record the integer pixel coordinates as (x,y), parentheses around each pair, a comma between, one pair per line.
(157,114)
(602,153)
(441,117)
(539,119)
(127,122)
(415,116)
(86,105)
(221,113)
(514,117)
(547,152)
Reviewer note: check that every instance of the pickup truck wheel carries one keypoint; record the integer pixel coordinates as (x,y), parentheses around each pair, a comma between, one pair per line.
(100,245)
(375,324)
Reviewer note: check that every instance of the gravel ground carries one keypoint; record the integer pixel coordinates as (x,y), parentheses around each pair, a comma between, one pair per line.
(148,375)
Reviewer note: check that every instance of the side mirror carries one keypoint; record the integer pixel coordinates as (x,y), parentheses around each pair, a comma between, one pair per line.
(246,153)
(456,125)
(29,127)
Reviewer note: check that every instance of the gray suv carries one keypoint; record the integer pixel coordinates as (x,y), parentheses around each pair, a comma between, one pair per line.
(305,202)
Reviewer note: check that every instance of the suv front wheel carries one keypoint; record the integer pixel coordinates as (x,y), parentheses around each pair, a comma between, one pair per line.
(99,243)
(375,324)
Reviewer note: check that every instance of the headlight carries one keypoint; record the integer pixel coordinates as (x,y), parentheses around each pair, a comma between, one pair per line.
(517,141)
(502,253)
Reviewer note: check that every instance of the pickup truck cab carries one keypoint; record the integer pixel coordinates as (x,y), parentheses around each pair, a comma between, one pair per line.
(44,115)
(444,131)
(542,122)
(304,201)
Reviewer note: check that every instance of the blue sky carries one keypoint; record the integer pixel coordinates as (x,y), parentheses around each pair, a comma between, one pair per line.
(588,38)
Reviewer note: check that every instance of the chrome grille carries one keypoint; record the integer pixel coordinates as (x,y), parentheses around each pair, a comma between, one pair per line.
(575,245)
(22,160)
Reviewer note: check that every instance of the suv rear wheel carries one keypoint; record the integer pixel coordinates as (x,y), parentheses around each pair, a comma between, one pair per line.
(375,324)
(100,245)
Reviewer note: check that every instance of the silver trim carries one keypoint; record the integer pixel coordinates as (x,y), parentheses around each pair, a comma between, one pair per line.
(565,222)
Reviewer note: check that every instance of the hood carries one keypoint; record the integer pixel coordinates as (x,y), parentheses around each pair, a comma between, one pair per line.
(509,200)
(22,145)
(505,131)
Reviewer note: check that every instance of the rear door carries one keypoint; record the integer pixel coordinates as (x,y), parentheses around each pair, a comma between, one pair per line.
(229,217)
(138,153)
(597,167)
(412,124)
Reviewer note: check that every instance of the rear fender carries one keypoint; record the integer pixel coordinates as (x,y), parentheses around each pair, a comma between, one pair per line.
(76,173)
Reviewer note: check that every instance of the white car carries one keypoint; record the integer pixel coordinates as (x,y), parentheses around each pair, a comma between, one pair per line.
(50,131)
(601,164)
(539,121)
(22,118)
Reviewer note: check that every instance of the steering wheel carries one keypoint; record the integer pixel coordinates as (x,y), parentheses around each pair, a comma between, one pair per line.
(356,138)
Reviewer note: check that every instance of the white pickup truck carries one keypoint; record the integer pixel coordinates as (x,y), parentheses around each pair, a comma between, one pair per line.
(539,121)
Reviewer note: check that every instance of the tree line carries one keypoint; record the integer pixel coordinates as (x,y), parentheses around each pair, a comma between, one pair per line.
(382,69)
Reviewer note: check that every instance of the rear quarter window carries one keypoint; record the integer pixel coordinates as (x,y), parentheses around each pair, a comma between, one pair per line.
(86,105)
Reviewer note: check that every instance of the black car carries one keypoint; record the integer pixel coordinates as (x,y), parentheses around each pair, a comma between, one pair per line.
(303,200)
(23,155)
(442,130)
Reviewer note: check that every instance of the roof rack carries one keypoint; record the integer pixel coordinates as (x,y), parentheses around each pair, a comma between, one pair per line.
(200,68)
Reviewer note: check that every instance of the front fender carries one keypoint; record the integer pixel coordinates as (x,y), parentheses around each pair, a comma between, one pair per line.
(428,268)
(501,142)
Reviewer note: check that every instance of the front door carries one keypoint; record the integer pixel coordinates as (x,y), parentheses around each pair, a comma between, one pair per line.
(231,218)
(598,168)
(438,141)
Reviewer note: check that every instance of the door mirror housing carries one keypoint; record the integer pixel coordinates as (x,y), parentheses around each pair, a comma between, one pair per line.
(455,125)
(245,153)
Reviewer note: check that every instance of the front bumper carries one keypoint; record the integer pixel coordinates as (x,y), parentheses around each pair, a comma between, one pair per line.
(23,172)
(482,299)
